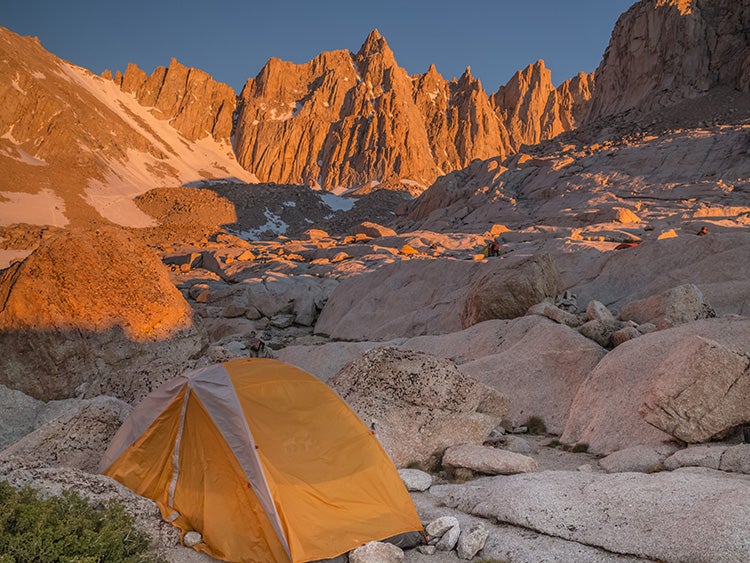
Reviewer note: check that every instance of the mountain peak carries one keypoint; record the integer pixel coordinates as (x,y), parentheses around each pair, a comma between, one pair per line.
(374,44)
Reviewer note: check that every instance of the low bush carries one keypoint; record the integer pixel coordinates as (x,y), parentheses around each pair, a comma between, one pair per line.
(65,529)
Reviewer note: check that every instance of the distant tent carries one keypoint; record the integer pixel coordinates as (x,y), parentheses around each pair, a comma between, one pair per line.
(265,461)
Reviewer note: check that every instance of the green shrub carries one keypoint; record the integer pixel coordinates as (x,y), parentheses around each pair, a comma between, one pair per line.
(535,425)
(65,529)
(580,448)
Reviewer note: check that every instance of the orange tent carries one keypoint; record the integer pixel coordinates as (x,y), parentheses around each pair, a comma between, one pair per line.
(265,461)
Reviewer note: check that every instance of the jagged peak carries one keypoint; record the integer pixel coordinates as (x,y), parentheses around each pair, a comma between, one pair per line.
(375,44)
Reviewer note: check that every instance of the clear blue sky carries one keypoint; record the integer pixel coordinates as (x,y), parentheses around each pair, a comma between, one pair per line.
(232,40)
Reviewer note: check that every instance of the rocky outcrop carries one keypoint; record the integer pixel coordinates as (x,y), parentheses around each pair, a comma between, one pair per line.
(417,404)
(507,293)
(193,102)
(683,515)
(354,120)
(699,391)
(605,412)
(92,312)
(76,439)
(663,51)
(675,306)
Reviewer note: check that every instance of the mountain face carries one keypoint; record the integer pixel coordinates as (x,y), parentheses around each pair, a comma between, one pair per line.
(75,148)
(345,120)
(195,104)
(664,51)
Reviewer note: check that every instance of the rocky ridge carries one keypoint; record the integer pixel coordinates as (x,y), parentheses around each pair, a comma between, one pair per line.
(341,120)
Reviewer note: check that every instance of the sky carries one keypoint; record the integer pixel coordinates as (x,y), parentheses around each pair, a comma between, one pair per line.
(232,40)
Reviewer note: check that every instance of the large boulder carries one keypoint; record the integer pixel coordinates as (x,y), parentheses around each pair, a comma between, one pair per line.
(605,411)
(539,366)
(700,390)
(675,306)
(490,461)
(77,438)
(407,298)
(324,360)
(509,293)
(93,312)
(685,515)
(418,404)
(426,296)
(21,414)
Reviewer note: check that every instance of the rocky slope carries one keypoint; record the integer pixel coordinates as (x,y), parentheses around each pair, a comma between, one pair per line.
(75,149)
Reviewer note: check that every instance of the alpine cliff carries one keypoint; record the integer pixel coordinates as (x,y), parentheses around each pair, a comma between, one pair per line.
(347,120)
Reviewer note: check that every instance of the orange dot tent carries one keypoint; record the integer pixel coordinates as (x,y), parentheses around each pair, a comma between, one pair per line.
(265,461)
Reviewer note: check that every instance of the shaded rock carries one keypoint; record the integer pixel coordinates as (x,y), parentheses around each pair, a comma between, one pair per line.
(684,515)
(597,311)
(438,527)
(598,331)
(554,313)
(643,459)
(102,307)
(509,293)
(490,461)
(539,367)
(415,480)
(699,390)
(660,53)
(736,459)
(21,414)
(678,305)
(516,444)
(326,360)
(623,335)
(376,552)
(508,542)
(471,541)
(418,404)
(192,538)
(707,456)
(397,300)
(604,413)
(449,539)
(77,438)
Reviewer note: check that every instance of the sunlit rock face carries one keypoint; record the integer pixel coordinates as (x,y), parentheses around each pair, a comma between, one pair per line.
(532,109)
(194,103)
(75,148)
(663,51)
(351,120)
(92,312)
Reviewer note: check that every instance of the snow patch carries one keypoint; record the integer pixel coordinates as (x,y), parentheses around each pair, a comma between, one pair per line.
(273,223)
(42,208)
(338,203)
(17,86)
(289,204)
(23,156)
(8,256)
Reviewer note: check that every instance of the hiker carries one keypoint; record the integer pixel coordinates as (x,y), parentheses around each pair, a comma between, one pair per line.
(702,232)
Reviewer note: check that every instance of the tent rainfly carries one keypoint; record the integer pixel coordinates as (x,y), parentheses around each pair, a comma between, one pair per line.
(265,461)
